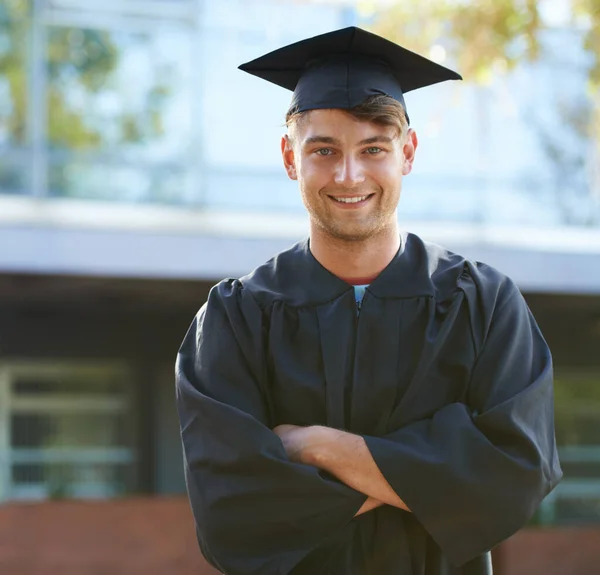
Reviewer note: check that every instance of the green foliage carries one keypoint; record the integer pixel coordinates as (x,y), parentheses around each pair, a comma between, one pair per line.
(486,38)
(482,35)
(493,31)
(589,12)
(14,31)
(80,65)
(67,128)
(76,59)
(89,54)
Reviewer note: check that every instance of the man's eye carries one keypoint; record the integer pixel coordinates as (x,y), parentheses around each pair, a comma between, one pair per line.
(324,152)
(373,150)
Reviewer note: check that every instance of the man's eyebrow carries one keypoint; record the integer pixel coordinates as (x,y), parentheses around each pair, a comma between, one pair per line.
(376,140)
(322,140)
(335,142)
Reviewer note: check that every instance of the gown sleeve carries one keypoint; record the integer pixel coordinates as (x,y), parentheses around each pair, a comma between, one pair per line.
(475,472)
(255,510)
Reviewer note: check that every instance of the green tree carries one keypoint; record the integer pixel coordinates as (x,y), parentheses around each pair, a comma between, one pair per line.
(481,34)
(14,27)
(80,65)
(488,38)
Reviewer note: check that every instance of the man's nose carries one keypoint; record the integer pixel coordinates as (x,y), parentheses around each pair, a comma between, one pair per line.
(349,172)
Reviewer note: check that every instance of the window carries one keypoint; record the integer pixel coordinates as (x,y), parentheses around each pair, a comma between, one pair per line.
(577,499)
(65,431)
(183,9)
(15,28)
(98,101)
(119,112)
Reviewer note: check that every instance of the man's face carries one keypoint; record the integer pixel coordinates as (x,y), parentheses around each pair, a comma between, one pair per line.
(349,171)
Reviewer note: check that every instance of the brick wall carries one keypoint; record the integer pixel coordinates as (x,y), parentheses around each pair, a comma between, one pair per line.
(156,537)
(133,537)
(574,551)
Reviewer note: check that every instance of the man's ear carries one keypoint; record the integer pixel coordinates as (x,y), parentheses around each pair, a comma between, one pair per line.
(289,159)
(411,143)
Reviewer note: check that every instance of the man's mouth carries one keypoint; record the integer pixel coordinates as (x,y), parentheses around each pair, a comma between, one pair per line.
(351,199)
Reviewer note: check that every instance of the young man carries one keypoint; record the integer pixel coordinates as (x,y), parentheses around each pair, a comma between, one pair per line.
(365,402)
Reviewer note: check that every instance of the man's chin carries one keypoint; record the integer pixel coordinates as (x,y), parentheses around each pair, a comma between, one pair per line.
(348,231)
(351,235)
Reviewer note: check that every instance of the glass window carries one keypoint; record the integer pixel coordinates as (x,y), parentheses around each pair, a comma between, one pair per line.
(577,499)
(164,8)
(67,384)
(67,432)
(15,25)
(119,109)
(59,480)
(60,430)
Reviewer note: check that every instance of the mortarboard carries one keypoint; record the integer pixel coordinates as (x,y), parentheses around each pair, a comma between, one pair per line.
(341,69)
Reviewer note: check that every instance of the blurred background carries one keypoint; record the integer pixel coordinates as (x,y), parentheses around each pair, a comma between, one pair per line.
(138,167)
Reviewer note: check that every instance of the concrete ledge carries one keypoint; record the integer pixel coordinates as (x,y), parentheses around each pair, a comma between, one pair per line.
(88,238)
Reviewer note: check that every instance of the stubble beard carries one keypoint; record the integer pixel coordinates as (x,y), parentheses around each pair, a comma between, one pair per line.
(348,232)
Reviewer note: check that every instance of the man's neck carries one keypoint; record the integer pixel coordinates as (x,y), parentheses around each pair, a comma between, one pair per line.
(355,259)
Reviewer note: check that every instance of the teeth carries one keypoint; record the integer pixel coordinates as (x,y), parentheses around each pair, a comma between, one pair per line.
(351,200)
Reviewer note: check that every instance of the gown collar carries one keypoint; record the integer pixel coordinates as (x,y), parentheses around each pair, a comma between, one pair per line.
(296,277)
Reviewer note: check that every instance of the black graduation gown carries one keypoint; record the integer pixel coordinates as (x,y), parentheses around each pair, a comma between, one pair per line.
(444,373)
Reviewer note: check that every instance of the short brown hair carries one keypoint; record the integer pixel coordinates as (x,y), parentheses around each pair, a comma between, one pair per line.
(379,109)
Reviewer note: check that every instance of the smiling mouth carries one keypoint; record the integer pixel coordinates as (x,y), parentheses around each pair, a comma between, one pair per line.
(351,199)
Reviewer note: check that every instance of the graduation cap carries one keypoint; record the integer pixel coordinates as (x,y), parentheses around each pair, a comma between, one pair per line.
(341,69)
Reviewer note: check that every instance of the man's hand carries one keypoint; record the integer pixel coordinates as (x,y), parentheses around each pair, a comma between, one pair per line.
(343,455)
(368,505)
(301,445)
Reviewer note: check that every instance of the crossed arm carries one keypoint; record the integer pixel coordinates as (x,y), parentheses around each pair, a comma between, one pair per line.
(343,455)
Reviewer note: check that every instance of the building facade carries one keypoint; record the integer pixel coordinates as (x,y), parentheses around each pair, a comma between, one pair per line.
(138,167)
